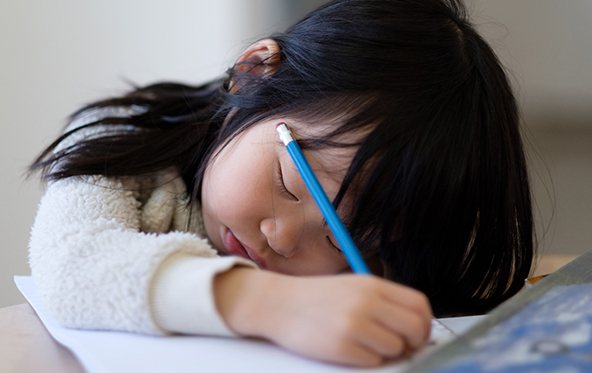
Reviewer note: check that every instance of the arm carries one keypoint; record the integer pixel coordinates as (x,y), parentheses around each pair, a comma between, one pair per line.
(346,319)
(95,269)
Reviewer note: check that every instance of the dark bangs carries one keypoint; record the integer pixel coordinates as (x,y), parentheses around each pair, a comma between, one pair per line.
(436,195)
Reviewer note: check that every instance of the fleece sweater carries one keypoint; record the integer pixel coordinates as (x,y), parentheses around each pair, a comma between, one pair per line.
(118,254)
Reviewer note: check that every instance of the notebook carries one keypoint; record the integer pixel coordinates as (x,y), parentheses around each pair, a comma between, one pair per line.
(545,328)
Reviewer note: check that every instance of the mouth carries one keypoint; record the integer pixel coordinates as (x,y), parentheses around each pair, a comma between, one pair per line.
(235,247)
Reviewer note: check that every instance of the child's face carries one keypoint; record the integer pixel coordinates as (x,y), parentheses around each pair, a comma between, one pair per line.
(248,213)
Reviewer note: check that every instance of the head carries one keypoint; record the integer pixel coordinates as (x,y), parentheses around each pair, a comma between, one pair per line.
(410,121)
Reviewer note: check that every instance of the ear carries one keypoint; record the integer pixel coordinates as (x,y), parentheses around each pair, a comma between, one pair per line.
(260,58)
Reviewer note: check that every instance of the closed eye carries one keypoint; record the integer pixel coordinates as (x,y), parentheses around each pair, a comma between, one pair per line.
(333,245)
(282,185)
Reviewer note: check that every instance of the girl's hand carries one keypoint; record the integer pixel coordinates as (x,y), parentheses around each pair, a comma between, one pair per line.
(346,319)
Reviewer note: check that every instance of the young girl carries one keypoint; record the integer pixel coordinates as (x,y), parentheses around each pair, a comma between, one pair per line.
(176,209)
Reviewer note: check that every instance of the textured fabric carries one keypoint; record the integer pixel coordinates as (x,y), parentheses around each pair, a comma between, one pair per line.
(180,286)
(97,243)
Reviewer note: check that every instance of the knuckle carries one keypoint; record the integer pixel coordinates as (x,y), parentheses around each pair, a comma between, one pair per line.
(359,302)
(371,360)
(339,348)
(363,358)
(420,301)
(418,331)
(345,351)
(396,348)
(425,302)
(369,283)
(349,325)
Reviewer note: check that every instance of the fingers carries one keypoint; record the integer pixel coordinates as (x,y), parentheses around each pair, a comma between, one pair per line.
(382,341)
(409,298)
(355,354)
(393,324)
(400,310)
(412,327)
(367,344)
(350,319)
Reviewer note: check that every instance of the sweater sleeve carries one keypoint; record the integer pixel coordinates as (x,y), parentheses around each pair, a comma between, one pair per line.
(95,268)
(182,294)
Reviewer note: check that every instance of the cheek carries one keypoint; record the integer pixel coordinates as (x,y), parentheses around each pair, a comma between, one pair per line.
(315,262)
(236,186)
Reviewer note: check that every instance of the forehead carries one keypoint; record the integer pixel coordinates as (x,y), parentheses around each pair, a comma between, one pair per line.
(259,147)
(332,157)
(329,159)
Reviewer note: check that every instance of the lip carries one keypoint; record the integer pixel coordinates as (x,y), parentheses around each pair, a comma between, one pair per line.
(235,247)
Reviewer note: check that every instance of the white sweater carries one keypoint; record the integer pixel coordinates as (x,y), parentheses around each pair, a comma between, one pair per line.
(114,254)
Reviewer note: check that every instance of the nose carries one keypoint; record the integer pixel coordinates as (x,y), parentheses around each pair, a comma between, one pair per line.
(283,233)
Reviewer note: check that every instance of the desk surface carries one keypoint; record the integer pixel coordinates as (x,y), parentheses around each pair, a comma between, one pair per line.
(26,346)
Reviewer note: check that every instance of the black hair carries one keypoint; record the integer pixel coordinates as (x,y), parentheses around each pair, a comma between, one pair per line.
(439,186)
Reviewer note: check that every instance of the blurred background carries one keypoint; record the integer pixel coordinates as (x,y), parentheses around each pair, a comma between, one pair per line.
(56,56)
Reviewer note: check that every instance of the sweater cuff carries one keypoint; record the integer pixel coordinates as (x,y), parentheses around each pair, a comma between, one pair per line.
(182,294)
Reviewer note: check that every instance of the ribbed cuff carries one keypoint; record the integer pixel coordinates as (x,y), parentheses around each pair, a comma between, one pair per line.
(182,294)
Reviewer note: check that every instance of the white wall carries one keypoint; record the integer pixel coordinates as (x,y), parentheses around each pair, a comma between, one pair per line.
(57,55)
(547,47)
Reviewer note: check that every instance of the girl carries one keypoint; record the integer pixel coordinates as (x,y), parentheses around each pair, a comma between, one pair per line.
(176,209)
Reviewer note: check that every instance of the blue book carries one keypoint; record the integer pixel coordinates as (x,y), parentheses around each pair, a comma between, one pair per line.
(544,328)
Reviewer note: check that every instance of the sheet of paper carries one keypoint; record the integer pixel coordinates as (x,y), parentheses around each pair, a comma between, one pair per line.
(107,351)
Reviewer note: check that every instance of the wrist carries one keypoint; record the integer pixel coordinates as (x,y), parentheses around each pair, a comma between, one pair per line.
(246,299)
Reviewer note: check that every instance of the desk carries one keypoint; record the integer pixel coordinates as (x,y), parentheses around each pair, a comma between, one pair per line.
(25,345)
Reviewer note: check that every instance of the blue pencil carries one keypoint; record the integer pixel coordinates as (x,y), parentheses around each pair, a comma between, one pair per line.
(345,241)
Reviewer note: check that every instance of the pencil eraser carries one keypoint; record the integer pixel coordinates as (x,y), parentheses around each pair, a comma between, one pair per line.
(284,133)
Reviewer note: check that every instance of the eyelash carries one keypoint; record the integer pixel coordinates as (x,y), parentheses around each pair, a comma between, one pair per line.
(333,245)
(280,183)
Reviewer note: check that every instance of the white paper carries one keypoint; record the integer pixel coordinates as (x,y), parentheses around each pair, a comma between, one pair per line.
(107,351)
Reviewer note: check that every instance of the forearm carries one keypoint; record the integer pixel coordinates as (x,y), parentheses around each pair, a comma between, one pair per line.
(182,294)
(93,266)
(244,297)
